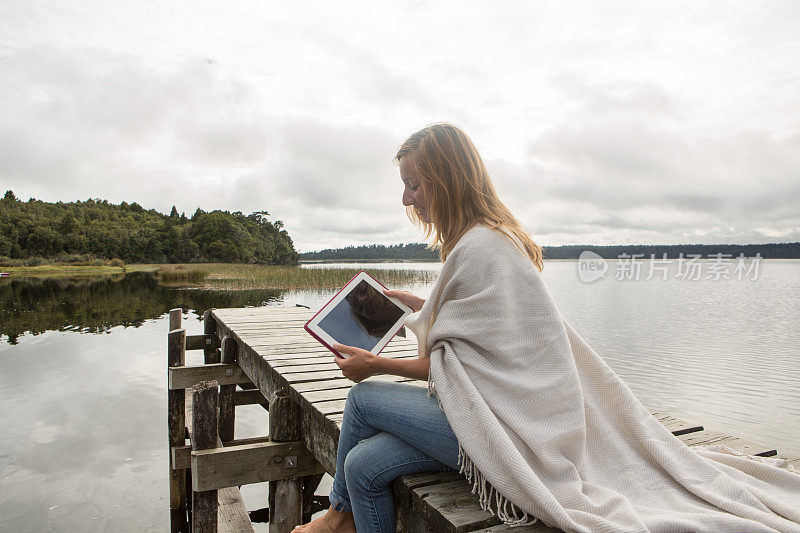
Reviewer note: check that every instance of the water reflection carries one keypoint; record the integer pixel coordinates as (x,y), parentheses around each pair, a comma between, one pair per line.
(97,304)
(84,443)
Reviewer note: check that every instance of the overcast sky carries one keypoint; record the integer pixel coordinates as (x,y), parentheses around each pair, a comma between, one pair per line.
(600,122)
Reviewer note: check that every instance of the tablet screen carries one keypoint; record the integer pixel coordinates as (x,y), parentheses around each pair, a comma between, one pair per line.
(361,318)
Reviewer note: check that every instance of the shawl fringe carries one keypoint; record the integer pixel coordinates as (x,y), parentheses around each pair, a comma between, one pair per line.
(510,514)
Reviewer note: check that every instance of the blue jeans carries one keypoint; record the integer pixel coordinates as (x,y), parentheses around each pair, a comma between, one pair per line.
(388,430)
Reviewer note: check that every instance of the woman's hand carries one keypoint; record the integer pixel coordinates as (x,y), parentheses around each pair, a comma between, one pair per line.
(359,366)
(411,300)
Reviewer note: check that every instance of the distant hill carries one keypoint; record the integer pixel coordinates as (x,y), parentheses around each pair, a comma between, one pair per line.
(767,251)
(379,252)
(138,235)
(419,252)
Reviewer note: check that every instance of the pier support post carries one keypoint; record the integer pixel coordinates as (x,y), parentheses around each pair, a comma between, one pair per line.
(286,495)
(227,402)
(176,424)
(204,436)
(210,352)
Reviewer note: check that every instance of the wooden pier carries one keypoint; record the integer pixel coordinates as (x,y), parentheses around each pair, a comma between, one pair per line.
(263,356)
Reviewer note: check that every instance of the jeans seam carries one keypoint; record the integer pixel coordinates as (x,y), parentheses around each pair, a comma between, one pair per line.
(344,502)
(369,485)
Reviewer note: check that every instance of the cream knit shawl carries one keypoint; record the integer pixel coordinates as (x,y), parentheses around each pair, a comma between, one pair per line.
(547,430)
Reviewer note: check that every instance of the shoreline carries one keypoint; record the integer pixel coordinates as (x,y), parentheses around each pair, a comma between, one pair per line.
(57,270)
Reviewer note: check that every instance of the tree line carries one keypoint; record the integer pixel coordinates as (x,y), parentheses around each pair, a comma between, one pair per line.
(416,251)
(420,251)
(137,235)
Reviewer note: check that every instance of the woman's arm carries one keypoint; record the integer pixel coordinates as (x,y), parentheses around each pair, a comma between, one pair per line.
(416,367)
(362,364)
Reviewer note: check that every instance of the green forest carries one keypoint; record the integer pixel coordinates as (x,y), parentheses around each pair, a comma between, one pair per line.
(131,233)
(419,252)
(379,252)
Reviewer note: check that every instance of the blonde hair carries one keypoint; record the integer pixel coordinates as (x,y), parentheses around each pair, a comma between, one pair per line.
(458,191)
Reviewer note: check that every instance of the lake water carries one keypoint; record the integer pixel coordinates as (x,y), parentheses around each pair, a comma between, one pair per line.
(83,388)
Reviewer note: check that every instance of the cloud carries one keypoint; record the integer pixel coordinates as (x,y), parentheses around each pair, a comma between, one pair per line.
(627,157)
(87,122)
(618,124)
(329,183)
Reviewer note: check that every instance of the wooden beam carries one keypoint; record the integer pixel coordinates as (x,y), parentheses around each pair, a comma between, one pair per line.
(211,351)
(227,403)
(242,464)
(176,427)
(185,377)
(684,431)
(310,484)
(250,397)
(182,455)
(232,514)
(199,342)
(175,317)
(286,495)
(204,436)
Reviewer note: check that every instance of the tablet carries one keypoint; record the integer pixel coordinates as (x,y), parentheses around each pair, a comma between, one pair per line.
(359,315)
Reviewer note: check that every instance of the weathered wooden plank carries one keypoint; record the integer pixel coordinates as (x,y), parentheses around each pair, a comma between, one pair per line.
(326,395)
(296,338)
(204,436)
(227,402)
(199,342)
(343,382)
(311,502)
(243,464)
(299,377)
(258,338)
(438,502)
(408,521)
(286,495)
(280,353)
(325,365)
(706,437)
(176,424)
(318,355)
(321,436)
(232,516)
(675,425)
(250,397)
(182,455)
(451,506)
(251,313)
(311,350)
(175,318)
(211,352)
(259,311)
(538,527)
(330,407)
(184,377)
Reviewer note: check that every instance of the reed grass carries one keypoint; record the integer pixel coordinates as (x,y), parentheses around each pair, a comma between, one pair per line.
(242,276)
(182,274)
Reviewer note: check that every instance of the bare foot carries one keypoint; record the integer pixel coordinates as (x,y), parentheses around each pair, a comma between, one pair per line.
(331,522)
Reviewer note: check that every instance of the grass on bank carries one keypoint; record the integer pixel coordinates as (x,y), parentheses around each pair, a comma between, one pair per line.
(47,271)
(229,276)
(181,274)
(62,265)
(235,276)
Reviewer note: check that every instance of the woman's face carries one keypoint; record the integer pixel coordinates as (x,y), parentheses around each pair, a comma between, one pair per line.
(413,195)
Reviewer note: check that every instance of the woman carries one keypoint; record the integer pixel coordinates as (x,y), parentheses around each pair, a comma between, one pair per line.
(523,407)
